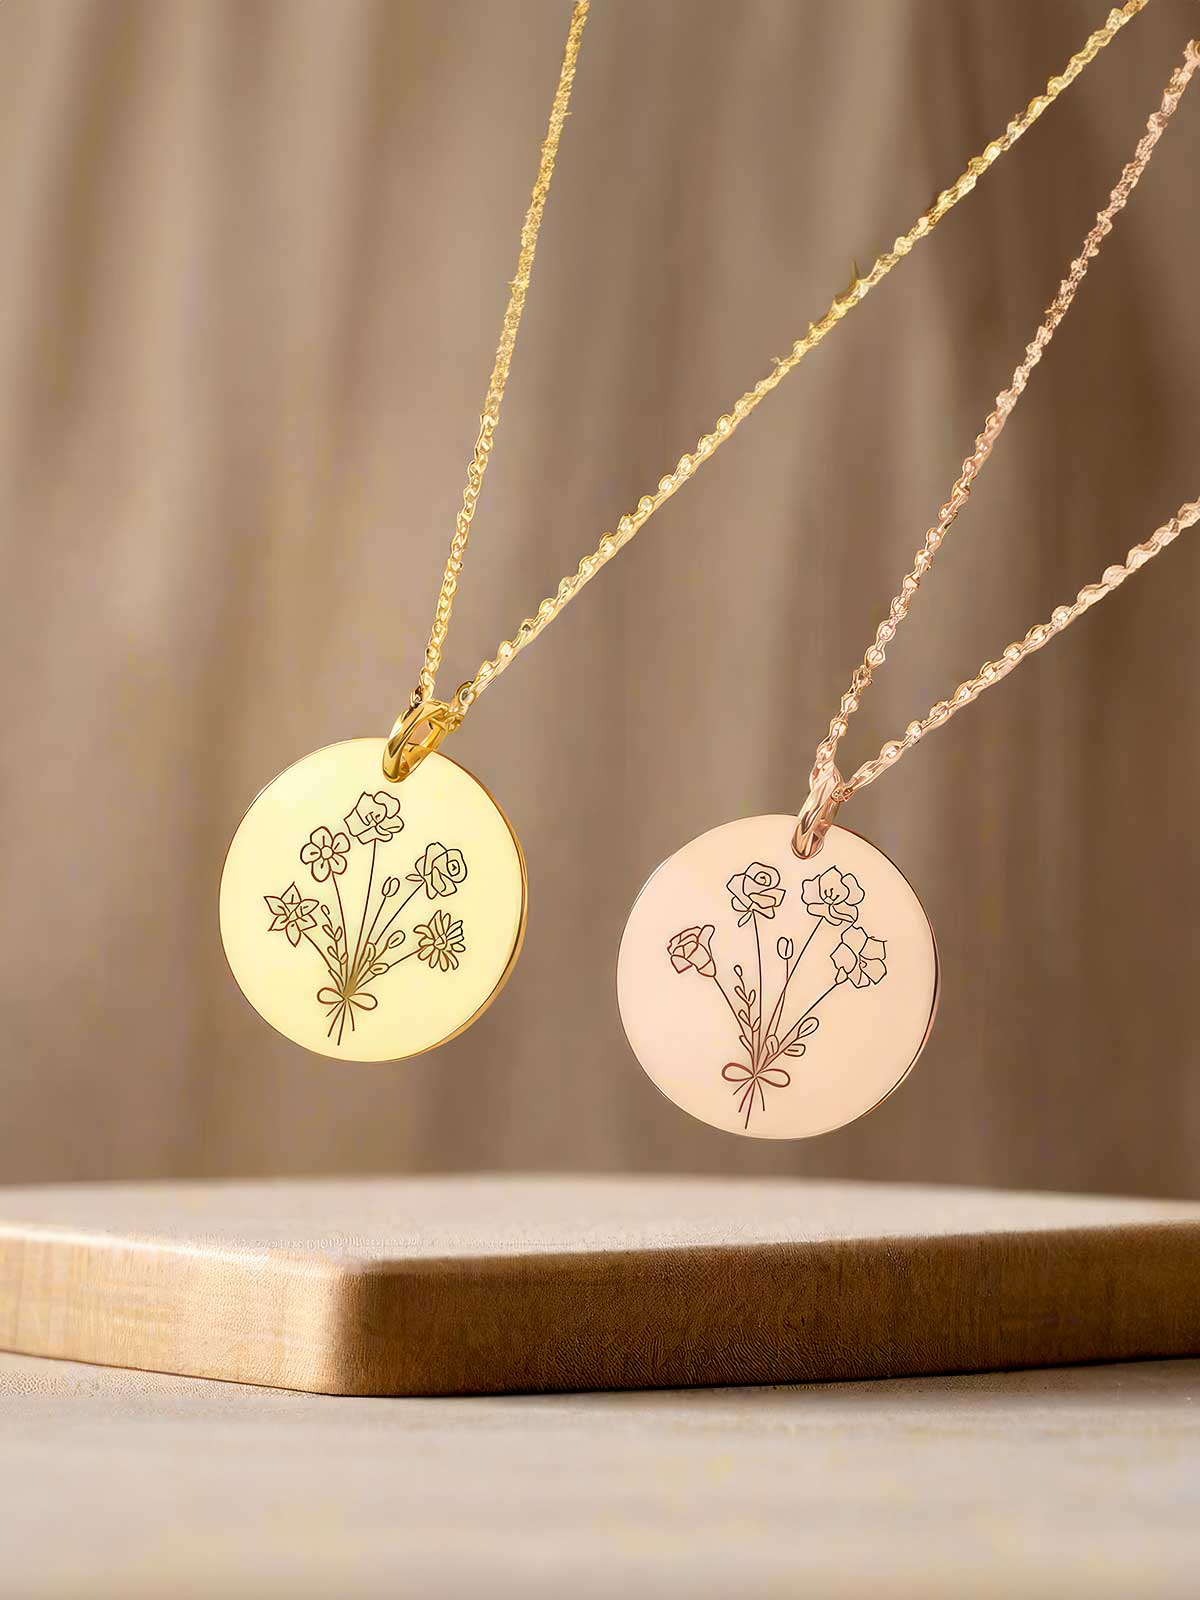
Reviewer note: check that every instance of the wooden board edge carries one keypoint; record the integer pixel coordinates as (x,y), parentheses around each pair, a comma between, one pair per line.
(778,1313)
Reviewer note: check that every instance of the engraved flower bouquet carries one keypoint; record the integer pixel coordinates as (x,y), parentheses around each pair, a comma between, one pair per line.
(354,967)
(856,960)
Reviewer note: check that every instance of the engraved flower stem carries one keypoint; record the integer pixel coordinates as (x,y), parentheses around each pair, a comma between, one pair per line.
(814,1006)
(371,976)
(393,916)
(727,1000)
(345,937)
(375,919)
(778,1011)
(383,932)
(366,902)
(794,1031)
(334,972)
(758,999)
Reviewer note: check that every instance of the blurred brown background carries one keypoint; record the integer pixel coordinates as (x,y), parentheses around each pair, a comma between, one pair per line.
(253,257)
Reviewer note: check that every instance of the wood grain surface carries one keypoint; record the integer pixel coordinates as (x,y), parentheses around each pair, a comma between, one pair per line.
(453,1286)
(1052,1485)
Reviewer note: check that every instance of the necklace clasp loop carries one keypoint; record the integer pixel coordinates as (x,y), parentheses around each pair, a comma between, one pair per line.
(818,811)
(415,734)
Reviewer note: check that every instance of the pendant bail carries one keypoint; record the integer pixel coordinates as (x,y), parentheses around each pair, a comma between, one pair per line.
(415,734)
(818,811)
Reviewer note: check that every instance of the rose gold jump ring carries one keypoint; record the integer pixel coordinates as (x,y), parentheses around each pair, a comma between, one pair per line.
(818,811)
(415,734)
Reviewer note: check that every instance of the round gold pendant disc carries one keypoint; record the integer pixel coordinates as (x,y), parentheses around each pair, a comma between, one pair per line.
(368,920)
(772,996)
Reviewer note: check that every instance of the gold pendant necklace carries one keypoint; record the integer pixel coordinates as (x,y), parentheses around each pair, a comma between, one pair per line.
(777,976)
(368,922)
(373,900)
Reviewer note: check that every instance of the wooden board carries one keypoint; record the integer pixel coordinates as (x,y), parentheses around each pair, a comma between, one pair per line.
(453,1286)
(1051,1485)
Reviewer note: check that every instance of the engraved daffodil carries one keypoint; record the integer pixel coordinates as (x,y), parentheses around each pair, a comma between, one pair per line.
(291,913)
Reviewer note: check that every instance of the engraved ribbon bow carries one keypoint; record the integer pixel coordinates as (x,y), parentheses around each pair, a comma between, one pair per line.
(342,1005)
(749,1083)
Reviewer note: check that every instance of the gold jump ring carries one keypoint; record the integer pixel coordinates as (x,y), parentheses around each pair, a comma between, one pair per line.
(415,734)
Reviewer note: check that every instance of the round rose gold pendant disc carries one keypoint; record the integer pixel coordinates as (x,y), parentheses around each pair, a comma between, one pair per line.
(368,920)
(771,996)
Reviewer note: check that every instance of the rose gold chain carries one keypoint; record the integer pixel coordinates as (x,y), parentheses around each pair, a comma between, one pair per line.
(451,715)
(992,671)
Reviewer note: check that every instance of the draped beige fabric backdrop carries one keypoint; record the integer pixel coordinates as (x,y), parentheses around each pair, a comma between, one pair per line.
(253,257)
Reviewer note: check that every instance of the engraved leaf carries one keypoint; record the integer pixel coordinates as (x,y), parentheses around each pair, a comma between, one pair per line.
(795,1049)
(807,1027)
(395,940)
(746,1045)
(379,966)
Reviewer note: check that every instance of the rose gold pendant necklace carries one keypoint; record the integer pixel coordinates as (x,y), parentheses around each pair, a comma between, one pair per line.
(777,976)
(373,899)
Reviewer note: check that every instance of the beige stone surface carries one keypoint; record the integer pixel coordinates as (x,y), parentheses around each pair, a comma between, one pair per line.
(1050,1485)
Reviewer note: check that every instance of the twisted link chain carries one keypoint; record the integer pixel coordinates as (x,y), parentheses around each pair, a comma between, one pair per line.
(490,418)
(726,425)
(992,671)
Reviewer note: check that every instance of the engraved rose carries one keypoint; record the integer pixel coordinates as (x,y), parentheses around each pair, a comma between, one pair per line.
(439,870)
(834,896)
(755,892)
(376,818)
(693,948)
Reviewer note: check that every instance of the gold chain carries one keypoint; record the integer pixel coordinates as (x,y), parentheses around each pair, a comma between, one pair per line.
(1062,617)
(450,715)
(508,337)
